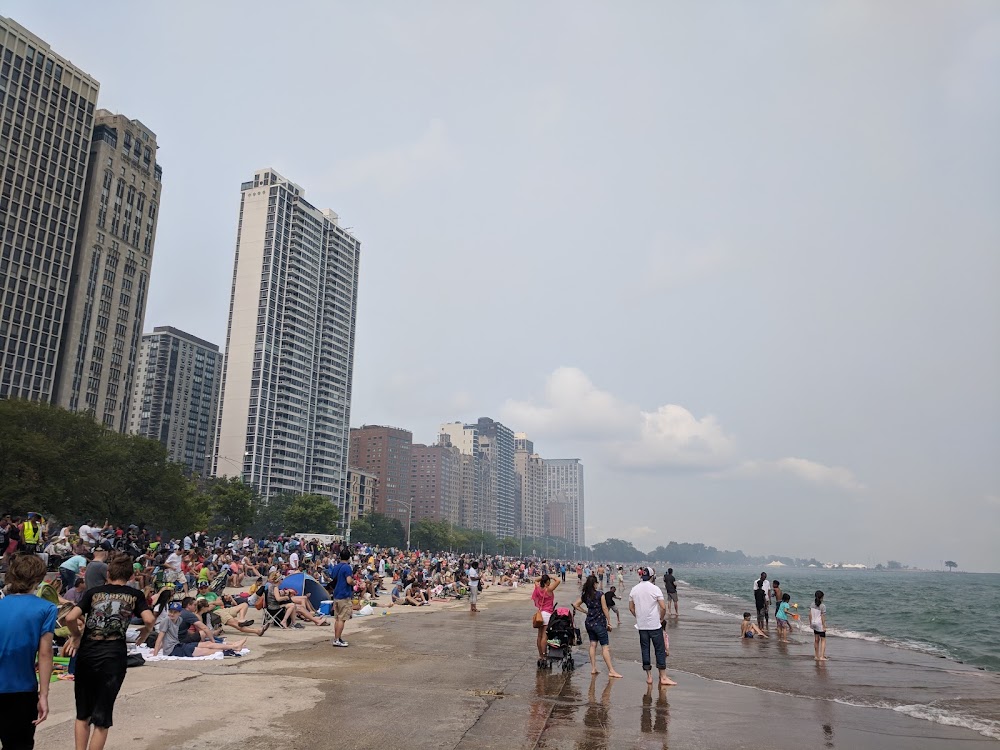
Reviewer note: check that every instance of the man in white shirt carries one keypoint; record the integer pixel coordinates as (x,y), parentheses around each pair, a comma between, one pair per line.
(473,574)
(293,560)
(173,568)
(645,602)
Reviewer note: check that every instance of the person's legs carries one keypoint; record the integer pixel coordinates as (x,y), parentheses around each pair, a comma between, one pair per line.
(68,579)
(98,738)
(661,657)
(206,648)
(593,655)
(540,642)
(235,624)
(644,637)
(606,653)
(19,711)
(81,734)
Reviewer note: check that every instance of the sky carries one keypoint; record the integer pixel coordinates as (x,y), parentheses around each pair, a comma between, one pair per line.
(741,259)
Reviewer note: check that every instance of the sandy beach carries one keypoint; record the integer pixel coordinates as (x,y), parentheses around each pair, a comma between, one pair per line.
(441,677)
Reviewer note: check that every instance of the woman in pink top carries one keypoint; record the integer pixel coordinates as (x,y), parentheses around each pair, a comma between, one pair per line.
(544,599)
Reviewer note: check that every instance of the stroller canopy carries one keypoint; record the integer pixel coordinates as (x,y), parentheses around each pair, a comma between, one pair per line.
(308,586)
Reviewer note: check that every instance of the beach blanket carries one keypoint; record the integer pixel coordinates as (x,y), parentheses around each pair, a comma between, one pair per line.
(147,654)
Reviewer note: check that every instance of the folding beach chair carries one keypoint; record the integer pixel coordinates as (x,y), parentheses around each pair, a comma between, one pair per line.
(271,618)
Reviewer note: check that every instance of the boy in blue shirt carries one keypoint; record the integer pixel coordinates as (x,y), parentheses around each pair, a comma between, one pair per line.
(27,623)
(342,581)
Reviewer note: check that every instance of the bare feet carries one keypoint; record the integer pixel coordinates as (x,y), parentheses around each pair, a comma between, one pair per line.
(667,681)
(613,674)
(593,671)
(237,645)
(649,678)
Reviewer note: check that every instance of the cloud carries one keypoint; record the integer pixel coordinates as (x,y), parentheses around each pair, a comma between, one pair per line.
(402,166)
(668,438)
(573,408)
(803,469)
(672,437)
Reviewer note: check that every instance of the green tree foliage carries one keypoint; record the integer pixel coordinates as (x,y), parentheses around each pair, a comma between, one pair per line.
(231,504)
(269,515)
(312,514)
(427,534)
(64,464)
(950,565)
(685,553)
(618,551)
(375,528)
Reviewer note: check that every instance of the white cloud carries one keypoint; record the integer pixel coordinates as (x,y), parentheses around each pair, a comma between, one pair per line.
(398,167)
(672,437)
(573,407)
(801,468)
(667,438)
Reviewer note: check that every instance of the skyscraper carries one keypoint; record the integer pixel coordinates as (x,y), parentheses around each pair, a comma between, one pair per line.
(110,280)
(47,112)
(564,498)
(385,452)
(530,471)
(176,395)
(436,481)
(284,419)
(497,440)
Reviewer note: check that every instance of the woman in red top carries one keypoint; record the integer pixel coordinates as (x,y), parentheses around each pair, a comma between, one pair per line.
(544,599)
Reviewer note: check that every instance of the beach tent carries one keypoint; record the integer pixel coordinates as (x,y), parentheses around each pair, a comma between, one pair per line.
(307,585)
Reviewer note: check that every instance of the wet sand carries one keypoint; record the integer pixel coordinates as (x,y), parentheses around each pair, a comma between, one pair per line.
(441,677)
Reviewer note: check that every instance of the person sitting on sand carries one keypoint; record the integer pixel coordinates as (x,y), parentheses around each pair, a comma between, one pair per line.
(167,638)
(750,629)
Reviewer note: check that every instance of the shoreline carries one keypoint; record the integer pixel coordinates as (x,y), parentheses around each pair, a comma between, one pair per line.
(464,680)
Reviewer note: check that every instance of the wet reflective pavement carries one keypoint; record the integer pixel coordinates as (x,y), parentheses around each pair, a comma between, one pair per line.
(450,679)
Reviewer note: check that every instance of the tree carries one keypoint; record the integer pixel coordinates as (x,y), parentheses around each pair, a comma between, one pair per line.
(311,514)
(231,504)
(617,550)
(375,528)
(894,565)
(269,515)
(950,565)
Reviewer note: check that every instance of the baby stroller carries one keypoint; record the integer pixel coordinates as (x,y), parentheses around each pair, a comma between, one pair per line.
(560,636)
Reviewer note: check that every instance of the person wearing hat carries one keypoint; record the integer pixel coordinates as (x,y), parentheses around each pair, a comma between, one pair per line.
(645,602)
(168,643)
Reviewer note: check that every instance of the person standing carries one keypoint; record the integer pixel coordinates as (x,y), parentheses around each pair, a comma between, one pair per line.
(670,584)
(341,575)
(27,623)
(597,624)
(101,650)
(817,619)
(473,574)
(544,599)
(762,600)
(645,602)
(96,573)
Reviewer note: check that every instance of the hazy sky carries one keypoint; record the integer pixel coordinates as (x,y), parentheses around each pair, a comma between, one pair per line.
(742,259)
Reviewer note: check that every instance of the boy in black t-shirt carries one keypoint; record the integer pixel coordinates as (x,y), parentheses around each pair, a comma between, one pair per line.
(101,649)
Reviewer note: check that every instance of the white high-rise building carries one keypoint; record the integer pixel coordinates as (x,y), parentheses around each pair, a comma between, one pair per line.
(530,470)
(285,406)
(564,484)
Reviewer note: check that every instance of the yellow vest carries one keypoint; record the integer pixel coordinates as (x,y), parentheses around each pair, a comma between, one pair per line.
(31,532)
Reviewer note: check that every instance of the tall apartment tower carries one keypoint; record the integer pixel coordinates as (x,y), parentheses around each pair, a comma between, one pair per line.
(385,452)
(285,406)
(176,395)
(529,469)
(47,113)
(564,492)
(360,493)
(110,280)
(498,441)
(436,481)
(477,502)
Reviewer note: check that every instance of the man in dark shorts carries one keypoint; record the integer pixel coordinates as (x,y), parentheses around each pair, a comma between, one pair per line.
(101,649)
(670,586)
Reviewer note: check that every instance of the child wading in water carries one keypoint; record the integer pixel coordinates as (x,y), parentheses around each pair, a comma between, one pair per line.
(749,629)
(817,619)
(781,615)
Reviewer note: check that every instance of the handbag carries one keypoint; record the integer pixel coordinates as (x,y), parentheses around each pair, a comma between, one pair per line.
(537,621)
